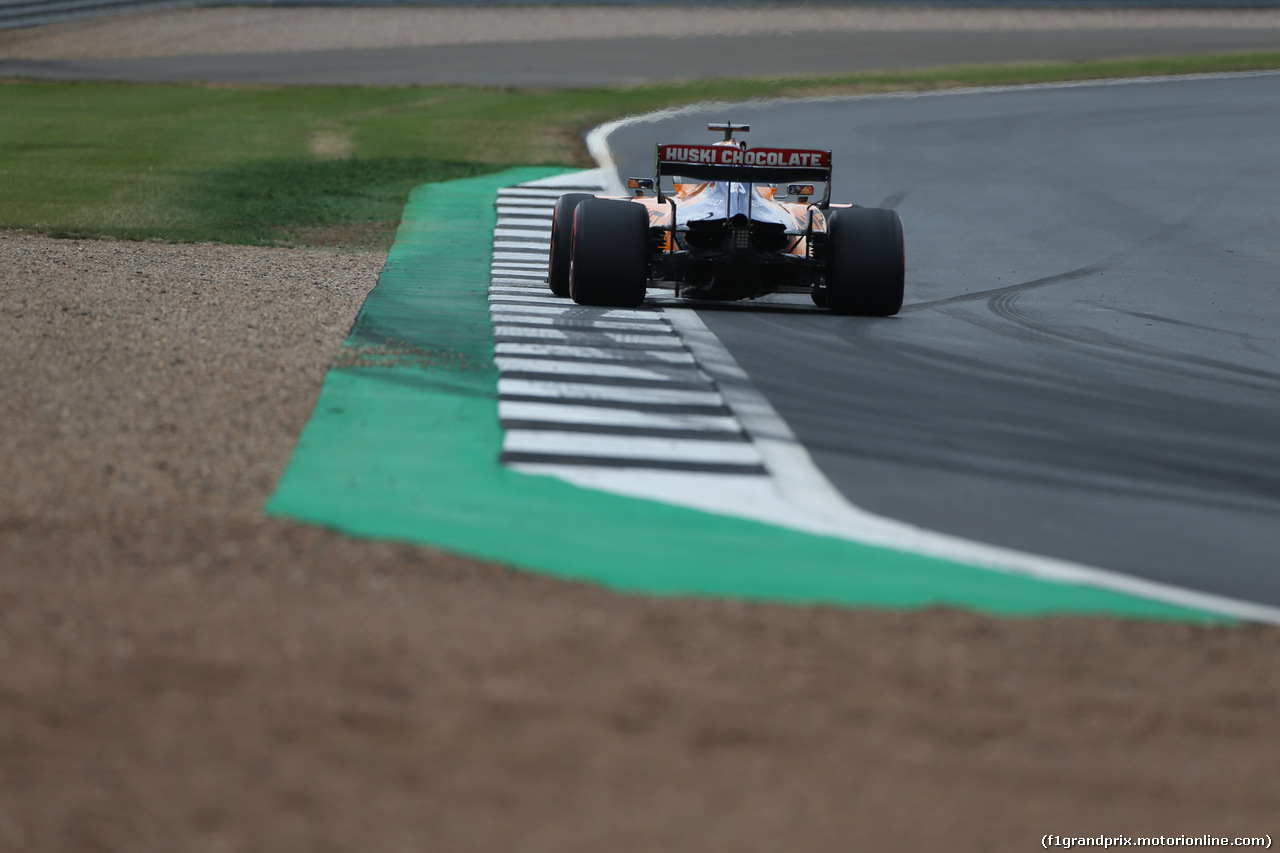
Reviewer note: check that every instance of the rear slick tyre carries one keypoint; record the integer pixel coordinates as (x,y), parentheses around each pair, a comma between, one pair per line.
(866,262)
(561,234)
(609,253)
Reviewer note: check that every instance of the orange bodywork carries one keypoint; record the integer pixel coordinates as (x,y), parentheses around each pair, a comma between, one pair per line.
(660,213)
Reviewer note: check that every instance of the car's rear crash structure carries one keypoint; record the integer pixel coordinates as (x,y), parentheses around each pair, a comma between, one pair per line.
(725,222)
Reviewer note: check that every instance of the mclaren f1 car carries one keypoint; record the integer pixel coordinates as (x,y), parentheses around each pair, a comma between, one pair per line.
(726,222)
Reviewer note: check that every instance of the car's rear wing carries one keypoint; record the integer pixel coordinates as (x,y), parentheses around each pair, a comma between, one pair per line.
(754,165)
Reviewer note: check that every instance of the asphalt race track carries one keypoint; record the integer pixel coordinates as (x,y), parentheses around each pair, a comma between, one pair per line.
(574,63)
(1088,363)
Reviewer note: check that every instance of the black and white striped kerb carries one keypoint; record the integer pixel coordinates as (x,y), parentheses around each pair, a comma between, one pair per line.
(595,388)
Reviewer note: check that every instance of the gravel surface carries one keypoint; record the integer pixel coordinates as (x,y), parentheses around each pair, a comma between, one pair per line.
(231,29)
(179,673)
(161,375)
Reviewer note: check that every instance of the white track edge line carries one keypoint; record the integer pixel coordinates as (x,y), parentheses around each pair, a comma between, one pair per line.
(598,137)
(803,484)
(803,479)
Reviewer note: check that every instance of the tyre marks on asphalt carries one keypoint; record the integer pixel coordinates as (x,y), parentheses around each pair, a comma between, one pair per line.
(594,394)
(649,404)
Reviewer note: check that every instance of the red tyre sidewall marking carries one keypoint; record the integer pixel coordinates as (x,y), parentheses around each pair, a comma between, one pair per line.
(902,229)
(573,250)
(551,263)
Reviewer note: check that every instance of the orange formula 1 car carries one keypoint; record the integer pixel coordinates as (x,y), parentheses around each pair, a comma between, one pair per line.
(725,222)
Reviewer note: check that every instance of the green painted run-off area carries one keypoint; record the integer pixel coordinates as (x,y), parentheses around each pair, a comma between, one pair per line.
(405,440)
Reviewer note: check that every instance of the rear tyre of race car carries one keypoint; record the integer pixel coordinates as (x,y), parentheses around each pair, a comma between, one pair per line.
(609,253)
(561,234)
(866,262)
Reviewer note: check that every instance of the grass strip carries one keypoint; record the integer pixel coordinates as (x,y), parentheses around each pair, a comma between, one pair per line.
(404,444)
(333,165)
